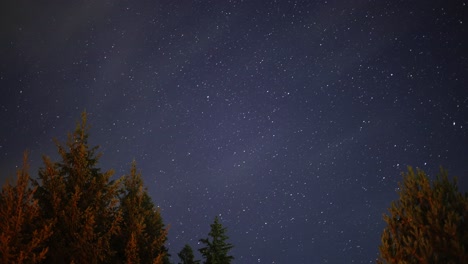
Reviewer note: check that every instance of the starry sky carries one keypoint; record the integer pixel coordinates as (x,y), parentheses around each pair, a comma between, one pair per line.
(292,120)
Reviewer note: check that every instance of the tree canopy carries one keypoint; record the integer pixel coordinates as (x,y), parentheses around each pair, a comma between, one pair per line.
(22,239)
(216,247)
(142,233)
(75,213)
(428,223)
(81,200)
(186,255)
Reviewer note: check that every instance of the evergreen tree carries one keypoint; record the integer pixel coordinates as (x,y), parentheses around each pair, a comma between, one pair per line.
(142,235)
(81,200)
(216,249)
(186,255)
(94,220)
(22,240)
(428,224)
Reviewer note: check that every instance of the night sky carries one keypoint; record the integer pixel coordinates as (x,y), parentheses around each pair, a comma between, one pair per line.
(292,120)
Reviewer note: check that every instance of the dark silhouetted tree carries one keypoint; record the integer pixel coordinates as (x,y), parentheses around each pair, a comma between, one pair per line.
(428,224)
(81,200)
(22,239)
(216,248)
(186,256)
(142,235)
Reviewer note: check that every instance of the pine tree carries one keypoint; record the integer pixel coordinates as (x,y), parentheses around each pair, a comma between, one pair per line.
(428,224)
(186,255)
(216,249)
(22,240)
(81,200)
(142,235)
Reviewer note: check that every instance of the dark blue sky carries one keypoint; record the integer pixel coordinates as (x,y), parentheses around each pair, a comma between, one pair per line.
(292,120)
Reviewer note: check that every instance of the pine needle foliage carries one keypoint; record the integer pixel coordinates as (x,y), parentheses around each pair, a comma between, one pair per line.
(82,201)
(74,213)
(142,235)
(428,224)
(22,240)
(216,247)
(186,255)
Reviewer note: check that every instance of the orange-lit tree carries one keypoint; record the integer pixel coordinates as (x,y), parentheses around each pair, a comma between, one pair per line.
(82,201)
(22,239)
(75,214)
(428,224)
(142,235)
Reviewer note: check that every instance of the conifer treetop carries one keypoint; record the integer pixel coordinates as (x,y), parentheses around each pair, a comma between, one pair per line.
(428,223)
